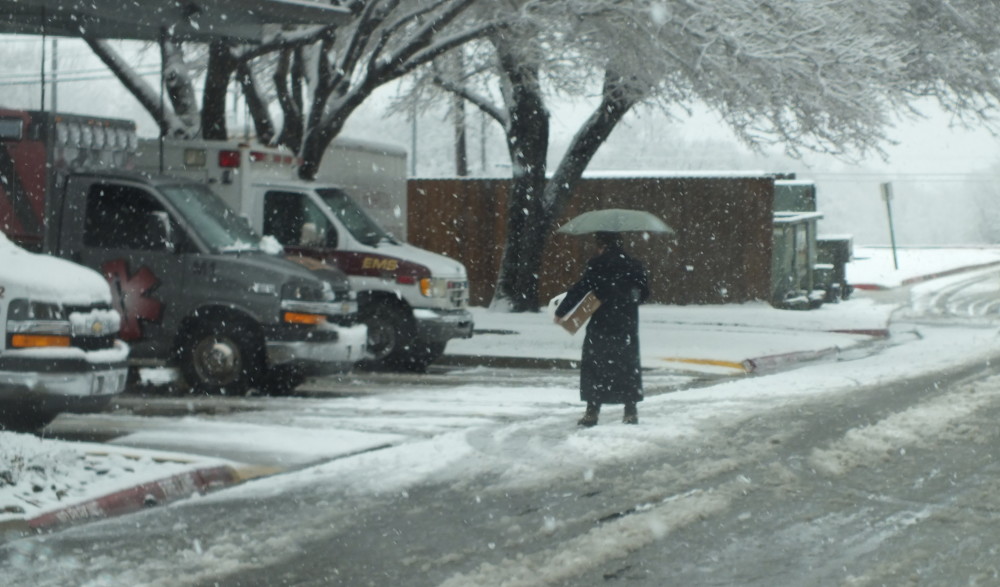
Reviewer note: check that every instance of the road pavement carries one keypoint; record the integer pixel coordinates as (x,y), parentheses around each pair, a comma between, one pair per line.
(136,430)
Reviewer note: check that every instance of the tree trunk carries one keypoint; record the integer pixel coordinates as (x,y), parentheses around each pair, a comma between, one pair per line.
(262,123)
(288,79)
(179,86)
(320,135)
(535,202)
(221,65)
(527,224)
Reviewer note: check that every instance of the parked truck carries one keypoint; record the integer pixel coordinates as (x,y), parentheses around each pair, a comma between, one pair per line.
(412,301)
(195,286)
(59,346)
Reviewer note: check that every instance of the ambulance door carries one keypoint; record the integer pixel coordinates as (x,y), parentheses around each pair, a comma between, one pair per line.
(132,239)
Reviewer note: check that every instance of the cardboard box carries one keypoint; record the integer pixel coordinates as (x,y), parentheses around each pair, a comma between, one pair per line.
(578,316)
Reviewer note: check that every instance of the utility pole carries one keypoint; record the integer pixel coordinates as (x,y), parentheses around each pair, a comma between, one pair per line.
(887,196)
(413,140)
(55,75)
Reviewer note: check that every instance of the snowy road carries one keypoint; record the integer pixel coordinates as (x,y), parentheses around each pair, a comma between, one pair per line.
(879,470)
(871,487)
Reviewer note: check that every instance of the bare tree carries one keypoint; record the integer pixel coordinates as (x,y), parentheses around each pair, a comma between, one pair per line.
(388,40)
(181,114)
(318,76)
(822,76)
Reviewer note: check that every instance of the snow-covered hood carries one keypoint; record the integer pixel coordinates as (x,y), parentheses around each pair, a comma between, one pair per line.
(47,278)
(439,265)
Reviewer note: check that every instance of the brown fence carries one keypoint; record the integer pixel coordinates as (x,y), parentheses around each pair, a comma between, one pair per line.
(721,252)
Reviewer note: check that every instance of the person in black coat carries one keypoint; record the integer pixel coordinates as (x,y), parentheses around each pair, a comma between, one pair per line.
(610,371)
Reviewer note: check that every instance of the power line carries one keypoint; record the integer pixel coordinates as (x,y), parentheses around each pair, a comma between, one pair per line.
(17,76)
(74,77)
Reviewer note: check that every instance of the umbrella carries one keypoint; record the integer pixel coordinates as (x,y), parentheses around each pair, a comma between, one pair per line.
(615,220)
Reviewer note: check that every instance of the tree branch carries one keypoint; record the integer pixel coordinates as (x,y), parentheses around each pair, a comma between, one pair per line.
(170,124)
(480,101)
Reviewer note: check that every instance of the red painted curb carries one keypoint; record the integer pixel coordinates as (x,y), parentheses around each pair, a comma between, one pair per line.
(133,499)
(928,277)
(872,332)
(869,286)
(948,272)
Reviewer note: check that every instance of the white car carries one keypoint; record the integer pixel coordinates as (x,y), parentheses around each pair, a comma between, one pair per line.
(59,346)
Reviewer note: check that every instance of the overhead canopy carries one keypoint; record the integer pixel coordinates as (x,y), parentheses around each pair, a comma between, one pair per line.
(196,20)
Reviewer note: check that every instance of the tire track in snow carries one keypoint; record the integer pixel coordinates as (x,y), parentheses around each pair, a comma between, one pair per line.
(915,427)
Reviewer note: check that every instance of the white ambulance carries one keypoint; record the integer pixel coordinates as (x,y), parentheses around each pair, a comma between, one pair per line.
(59,346)
(412,300)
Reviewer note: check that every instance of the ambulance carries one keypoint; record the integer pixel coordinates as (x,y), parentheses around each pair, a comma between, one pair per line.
(195,287)
(59,339)
(413,301)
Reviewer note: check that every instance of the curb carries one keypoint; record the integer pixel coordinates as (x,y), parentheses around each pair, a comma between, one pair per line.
(506,362)
(175,487)
(928,277)
(774,362)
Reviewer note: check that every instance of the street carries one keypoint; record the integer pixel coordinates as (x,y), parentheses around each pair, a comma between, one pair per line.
(876,470)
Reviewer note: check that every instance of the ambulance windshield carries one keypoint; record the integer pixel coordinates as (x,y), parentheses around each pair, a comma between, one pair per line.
(216,224)
(354,219)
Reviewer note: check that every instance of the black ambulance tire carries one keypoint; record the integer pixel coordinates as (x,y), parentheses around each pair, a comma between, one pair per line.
(240,369)
(390,330)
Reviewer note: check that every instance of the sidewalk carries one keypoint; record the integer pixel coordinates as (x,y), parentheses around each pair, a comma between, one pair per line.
(733,339)
(47,483)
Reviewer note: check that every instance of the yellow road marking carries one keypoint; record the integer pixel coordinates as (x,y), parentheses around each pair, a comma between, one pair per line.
(247,472)
(712,362)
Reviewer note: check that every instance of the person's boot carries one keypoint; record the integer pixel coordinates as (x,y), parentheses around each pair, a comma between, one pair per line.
(631,414)
(590,416)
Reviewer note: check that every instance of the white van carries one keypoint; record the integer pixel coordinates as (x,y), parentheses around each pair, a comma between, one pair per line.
(59,346)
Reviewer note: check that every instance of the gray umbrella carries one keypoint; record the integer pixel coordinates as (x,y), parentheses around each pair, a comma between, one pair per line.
(615,220)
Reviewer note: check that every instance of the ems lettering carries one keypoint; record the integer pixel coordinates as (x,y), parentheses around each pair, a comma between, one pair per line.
(382,264)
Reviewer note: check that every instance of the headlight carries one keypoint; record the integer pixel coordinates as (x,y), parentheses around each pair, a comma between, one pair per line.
(26,310)
(433,287)
(307,292)
(37,324)
(439,287)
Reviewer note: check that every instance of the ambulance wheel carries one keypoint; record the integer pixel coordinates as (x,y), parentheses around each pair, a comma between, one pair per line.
(389,331)
(222,357)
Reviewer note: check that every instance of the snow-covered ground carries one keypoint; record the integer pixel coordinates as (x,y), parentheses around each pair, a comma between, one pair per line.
(38,475)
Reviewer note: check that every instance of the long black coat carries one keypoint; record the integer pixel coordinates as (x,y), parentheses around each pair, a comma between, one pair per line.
(610,372)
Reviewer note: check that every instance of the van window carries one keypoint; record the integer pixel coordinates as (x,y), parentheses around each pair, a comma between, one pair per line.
(218,226)
(354,219)
(119,217)
(293,219)
(11,128)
